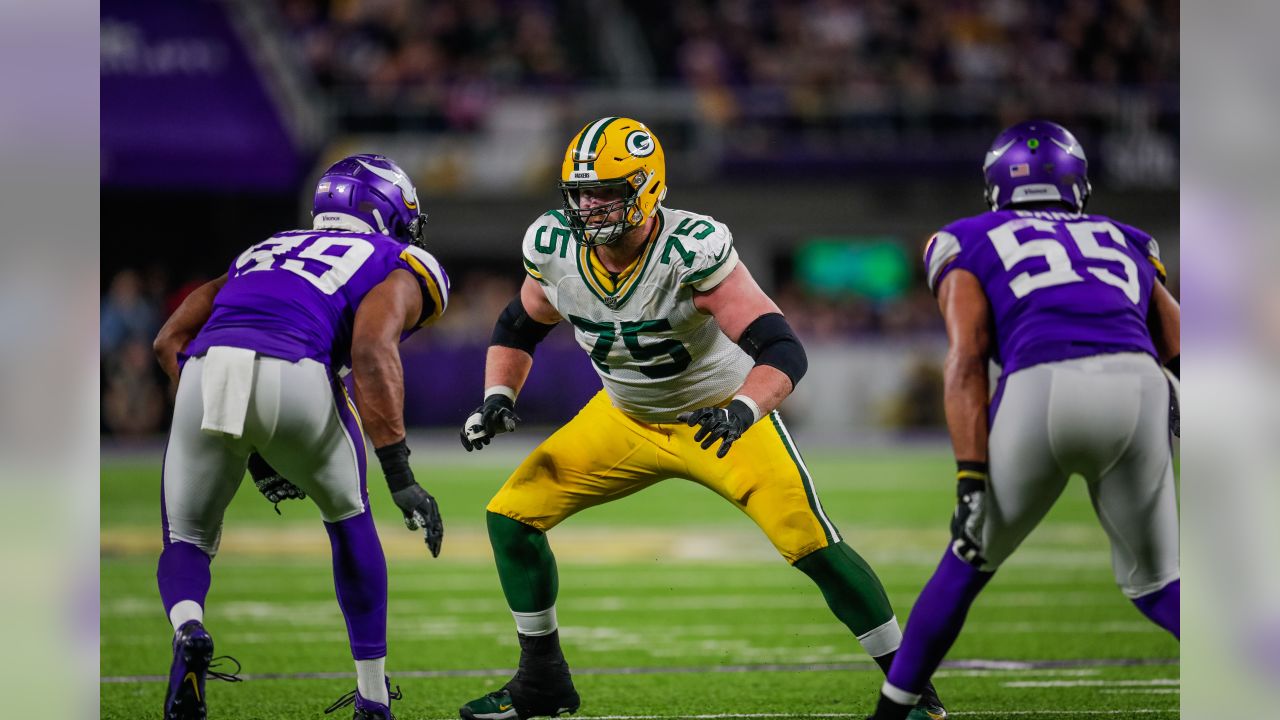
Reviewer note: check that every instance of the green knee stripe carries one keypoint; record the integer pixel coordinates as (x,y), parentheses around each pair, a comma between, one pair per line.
(526,566)
(828,527)
(851,588)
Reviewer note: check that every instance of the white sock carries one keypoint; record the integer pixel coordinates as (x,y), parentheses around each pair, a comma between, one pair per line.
(536,624)
(185,611)
(882,640)
(898,695)
(371,680)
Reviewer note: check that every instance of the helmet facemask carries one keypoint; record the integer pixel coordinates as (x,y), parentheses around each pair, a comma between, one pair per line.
(590,226)
(417,235)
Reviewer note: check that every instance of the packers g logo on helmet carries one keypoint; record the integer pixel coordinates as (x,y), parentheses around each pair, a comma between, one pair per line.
(618,153)
(640,144)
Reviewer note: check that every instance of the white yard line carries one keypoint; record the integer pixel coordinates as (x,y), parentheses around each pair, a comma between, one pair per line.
(950,665)
(1171,682)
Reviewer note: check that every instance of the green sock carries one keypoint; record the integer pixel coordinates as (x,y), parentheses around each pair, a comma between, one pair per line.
(850,586)
(526,566)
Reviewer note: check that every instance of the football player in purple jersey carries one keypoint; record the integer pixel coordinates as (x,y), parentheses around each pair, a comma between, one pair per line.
(1073,309)
(258,356)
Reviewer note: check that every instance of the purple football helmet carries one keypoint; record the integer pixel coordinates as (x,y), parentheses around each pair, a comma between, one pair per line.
(369,193)
(1036,161)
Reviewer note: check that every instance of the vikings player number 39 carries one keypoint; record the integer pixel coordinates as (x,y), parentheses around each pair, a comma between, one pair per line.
(260,352)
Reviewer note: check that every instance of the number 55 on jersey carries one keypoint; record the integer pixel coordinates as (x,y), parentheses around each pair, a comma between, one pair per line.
(1052,278)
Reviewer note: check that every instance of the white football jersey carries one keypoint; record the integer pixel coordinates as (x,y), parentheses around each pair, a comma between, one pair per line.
(656,354)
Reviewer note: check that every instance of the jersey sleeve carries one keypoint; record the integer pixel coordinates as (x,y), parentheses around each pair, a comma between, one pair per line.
(545,240)
(432,280)
(940,256)
(706,252)
(1146,246)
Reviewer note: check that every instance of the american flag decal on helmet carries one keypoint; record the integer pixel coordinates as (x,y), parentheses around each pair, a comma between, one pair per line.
(1019,170)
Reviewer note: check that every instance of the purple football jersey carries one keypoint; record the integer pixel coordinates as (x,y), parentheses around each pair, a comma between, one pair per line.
(1061,285)
(295,295)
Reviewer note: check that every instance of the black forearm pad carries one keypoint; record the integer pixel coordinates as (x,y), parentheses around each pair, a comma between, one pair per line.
(1175,366)
(515,329)
(394,459)
(770,341)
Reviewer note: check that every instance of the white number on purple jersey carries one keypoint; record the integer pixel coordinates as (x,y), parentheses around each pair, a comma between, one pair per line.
(1046,243)
(328,263)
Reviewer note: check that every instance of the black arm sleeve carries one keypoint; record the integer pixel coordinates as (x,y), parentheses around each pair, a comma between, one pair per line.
(515,329)
(770,341)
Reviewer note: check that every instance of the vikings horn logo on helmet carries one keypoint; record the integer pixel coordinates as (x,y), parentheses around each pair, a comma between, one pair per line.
(407,190)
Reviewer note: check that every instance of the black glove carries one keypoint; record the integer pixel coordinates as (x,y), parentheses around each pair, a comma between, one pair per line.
(496,415)
(725,424)
(970,513)
(419,508)
(271,484)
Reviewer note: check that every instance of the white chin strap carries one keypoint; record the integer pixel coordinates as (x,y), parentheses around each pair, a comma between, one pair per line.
(591,233)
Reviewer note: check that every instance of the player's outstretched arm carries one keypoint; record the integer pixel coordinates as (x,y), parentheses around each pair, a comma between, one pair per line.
(522,325)
(968,318)
(390,308)
(183,325)
(750,318)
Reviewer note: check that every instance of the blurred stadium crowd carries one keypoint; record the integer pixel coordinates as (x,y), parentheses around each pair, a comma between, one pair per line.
(441,61)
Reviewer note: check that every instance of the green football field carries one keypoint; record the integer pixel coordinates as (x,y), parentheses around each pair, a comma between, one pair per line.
(671,604)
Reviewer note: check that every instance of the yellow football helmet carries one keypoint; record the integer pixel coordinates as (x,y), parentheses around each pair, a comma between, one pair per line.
(612,152)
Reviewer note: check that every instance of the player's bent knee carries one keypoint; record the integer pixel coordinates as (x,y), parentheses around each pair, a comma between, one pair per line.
(206,542)
(336,513)
(797,535)
(1138,588)
(809,553)
(507,534)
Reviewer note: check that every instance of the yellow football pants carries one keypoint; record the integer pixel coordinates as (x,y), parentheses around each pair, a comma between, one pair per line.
(602,454)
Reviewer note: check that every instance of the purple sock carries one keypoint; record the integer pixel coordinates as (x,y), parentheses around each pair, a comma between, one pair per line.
(935,621)
(183,574)
(1164,607)
(360,577)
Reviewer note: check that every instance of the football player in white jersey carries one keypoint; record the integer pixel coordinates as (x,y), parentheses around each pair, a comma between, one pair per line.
(690,351)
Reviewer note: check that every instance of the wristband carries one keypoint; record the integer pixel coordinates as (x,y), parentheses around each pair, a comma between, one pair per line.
(1175,365)
(503,390)
(971,470)
(394,459)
